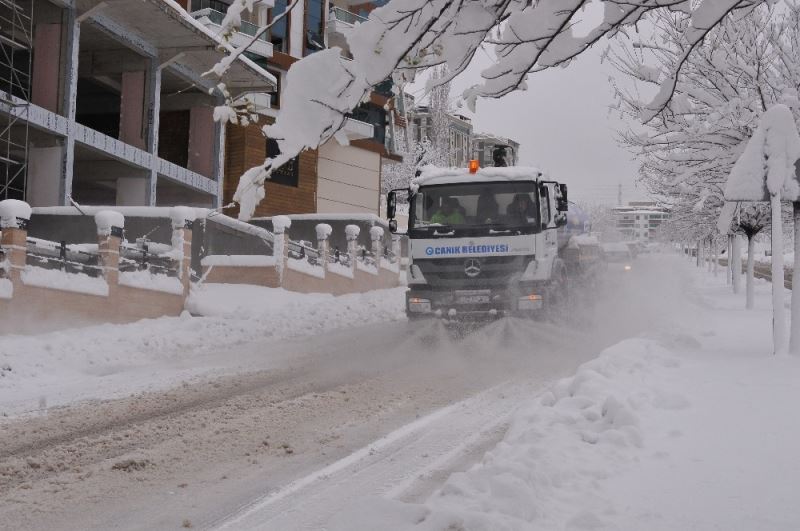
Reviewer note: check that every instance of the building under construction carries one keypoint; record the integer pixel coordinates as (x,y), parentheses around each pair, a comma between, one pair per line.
(105,102)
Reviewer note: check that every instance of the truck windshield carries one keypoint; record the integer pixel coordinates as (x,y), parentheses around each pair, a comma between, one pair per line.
(476,207)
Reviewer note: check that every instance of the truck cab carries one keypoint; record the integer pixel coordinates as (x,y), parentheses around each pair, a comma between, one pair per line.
(483,242)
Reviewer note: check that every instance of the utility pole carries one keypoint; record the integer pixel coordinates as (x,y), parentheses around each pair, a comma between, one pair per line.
(619,195)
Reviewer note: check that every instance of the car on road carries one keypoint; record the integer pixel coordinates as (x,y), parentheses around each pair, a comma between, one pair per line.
(617,256)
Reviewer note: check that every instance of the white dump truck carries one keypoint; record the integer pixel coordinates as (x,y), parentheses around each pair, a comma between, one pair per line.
(483,242)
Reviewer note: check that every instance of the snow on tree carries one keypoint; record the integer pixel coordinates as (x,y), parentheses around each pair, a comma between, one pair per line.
(425,150)
(410,35)
(767,168)
(745,65)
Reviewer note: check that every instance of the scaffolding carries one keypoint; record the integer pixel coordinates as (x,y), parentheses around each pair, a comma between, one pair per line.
(16,42)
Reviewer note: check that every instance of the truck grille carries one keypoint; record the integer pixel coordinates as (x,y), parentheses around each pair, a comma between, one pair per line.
(451,272)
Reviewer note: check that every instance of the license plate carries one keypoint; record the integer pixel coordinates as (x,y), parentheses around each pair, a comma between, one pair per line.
(473,299)
(472,296)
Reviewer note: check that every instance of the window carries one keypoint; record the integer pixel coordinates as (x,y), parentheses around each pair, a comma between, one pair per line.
(477,206)
(275,97)
(279,33)
(315,26)
(289,173)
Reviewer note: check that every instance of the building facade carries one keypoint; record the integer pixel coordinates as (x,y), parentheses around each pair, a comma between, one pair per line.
(484,146)
(341,176)
(458,136)
(640,220)
(105,103)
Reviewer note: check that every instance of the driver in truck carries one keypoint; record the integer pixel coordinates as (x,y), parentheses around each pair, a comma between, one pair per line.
(449,214)
(521,210)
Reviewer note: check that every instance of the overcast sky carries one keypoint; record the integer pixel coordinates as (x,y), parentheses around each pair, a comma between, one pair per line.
(563,125)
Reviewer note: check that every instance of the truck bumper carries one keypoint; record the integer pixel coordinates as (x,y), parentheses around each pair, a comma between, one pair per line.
(474,304)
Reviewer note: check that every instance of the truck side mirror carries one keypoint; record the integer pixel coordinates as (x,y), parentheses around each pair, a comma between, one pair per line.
(562,203)
(393,226)
(391,205)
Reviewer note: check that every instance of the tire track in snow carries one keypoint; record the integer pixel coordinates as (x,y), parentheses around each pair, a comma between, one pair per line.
(391,466)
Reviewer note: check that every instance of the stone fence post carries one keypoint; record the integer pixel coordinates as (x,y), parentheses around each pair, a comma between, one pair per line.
(280,245)
(182,226)
(14,218)
(323,233)
(352,232)
(376,234)
(110,226)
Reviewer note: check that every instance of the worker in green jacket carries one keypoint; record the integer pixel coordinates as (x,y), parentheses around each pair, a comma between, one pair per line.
(449,214)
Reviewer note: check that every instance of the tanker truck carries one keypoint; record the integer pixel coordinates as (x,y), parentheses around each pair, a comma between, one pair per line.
(484,242)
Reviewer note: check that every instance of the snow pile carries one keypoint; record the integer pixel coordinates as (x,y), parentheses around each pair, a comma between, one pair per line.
(302,265)
(238,260)
(281,224)
(575,242)
(105,219)
(147,280)
(114,360)
(12,210)
(767,163)
(432,175)
(324,231)
(341,269)
(180,215)
(376,233)
(6,288)
(61,280)
(352,232)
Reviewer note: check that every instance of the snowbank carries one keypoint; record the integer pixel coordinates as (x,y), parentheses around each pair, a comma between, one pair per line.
(56,279)
(114,360)
(238,260)
(6,288)
(689,428)
(149,281)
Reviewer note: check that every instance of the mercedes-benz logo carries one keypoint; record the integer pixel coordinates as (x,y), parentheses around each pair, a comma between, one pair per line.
(472,268)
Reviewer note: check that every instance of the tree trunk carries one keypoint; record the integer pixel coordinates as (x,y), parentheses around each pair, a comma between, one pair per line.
(729,269)
(709,255)
(794,341)
(778,309)
(751,244)
(699,254)
(715,255)
(736,263)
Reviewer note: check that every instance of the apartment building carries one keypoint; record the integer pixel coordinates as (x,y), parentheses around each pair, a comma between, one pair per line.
(342,175)
(640,220)
(459,133)
(484,148)
(104,102)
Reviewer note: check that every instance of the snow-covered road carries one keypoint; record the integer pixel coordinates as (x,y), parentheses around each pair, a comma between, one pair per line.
(383,409)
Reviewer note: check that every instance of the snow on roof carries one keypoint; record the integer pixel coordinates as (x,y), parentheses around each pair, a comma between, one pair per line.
(127,211)
(432,175)
(355,216)
(582,239)
(615,247)
(187,19)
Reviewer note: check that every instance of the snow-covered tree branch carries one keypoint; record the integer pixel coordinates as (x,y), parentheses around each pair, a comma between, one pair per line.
(407,35)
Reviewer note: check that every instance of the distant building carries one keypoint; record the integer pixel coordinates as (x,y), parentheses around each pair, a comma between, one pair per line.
(459,134)
(640,220)
(484,146)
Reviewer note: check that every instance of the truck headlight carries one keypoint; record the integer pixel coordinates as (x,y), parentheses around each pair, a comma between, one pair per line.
(530,302)
(627,267)
(418,305)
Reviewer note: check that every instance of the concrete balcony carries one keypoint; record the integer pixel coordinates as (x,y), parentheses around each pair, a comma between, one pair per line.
(212,19)
(340,23)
